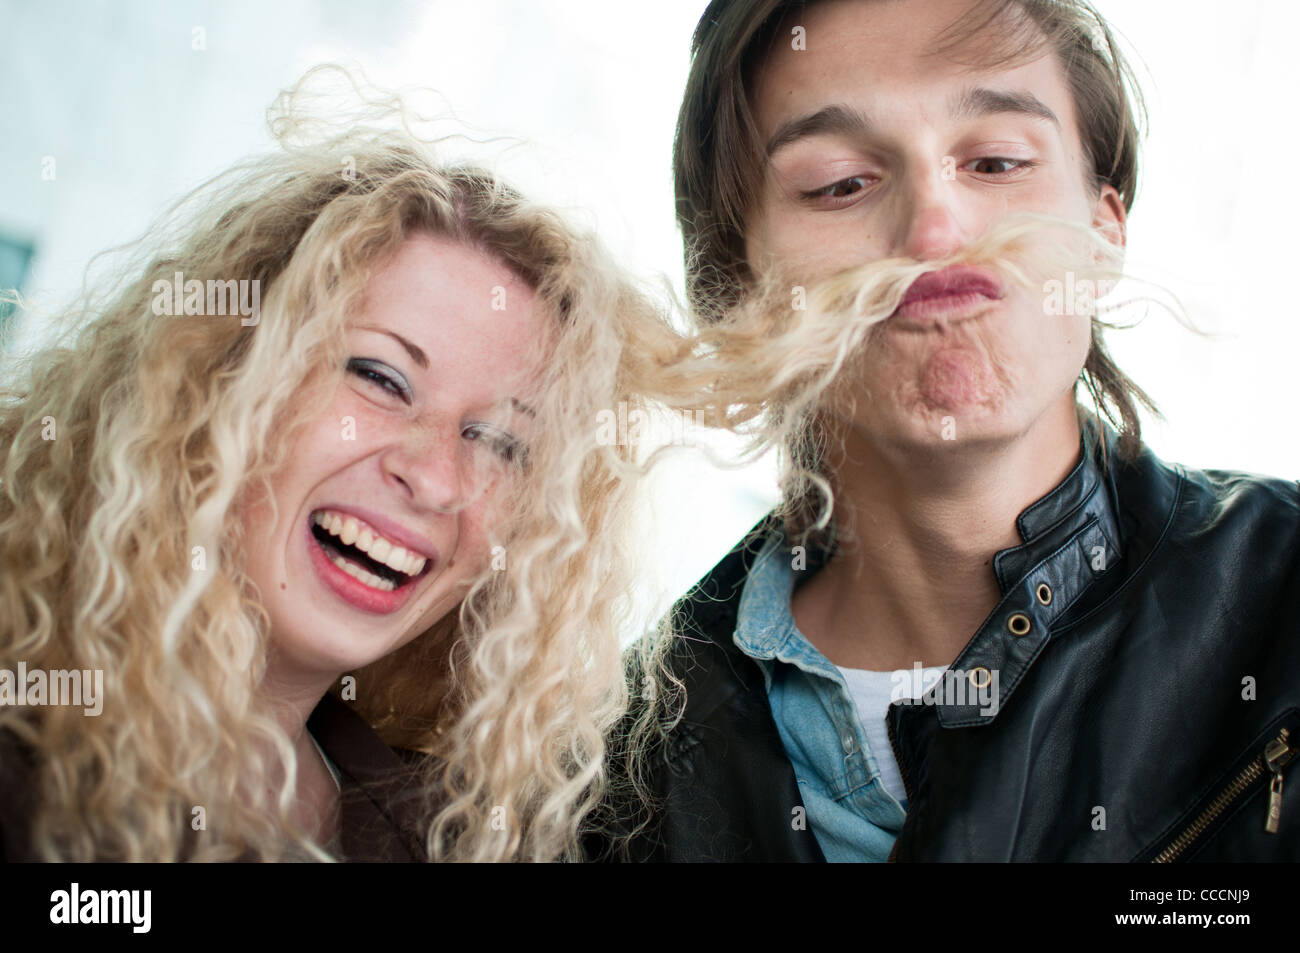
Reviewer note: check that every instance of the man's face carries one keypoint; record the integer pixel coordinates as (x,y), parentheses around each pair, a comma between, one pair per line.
(879,149)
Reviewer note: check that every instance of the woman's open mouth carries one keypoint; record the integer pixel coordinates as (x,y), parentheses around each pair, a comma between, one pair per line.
(360,564)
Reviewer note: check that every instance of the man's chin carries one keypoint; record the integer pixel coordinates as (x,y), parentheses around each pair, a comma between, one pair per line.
(957,381)
(930,430)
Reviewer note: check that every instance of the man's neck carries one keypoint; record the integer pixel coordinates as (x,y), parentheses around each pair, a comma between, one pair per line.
(912,578)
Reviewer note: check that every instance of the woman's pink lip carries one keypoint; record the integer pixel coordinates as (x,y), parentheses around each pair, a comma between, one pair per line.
(352,590)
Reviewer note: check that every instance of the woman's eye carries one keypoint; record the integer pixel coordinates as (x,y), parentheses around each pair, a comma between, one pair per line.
(381,375)
(508,448)
(996,165)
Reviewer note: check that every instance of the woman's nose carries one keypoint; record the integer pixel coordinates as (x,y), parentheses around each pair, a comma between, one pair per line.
(432,469)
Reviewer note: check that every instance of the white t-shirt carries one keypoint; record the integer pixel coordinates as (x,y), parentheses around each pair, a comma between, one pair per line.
(872,693)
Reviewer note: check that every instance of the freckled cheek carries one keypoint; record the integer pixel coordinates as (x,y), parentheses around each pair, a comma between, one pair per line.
(326,446)
(352,428)
(462,567)
(301,465)
(475,530)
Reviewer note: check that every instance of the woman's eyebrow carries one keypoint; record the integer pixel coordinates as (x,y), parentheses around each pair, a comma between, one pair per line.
(422,359)
(416,354)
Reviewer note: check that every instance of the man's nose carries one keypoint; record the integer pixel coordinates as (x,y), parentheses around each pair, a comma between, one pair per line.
(931,225)
(432,469)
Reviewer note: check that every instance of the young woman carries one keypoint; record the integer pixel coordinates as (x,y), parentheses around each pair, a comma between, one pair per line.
(345,554)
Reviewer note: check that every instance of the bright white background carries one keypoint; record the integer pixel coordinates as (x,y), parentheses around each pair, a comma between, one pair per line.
(587,92)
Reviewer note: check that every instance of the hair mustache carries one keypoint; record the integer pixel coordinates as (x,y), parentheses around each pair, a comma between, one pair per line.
(765,367)
(796,329)
(1025,250)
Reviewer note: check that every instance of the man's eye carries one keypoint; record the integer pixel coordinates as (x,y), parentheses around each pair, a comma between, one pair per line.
(508,448)
(838,190)
(381,375)
(996,165)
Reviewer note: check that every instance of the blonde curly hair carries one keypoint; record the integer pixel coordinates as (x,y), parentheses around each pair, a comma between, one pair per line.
(163,424)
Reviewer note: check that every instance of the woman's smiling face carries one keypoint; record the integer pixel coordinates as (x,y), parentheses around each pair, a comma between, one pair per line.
(386,496)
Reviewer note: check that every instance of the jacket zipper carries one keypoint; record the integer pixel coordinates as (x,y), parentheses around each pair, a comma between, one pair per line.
(893,744)
(907,791)
(1277,753)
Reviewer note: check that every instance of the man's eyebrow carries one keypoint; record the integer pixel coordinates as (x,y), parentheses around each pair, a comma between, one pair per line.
(839,119)
(416,354)
(980,101)
(829,120)
(522,408)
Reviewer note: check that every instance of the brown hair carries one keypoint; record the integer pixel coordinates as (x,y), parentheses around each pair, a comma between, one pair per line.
(718,158)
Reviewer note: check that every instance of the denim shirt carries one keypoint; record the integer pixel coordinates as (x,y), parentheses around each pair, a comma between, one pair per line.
(852,815)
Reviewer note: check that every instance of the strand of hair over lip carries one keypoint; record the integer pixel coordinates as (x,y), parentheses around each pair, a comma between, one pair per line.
(768,356)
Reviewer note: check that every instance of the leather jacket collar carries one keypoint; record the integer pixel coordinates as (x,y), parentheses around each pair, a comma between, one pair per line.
(1071,538)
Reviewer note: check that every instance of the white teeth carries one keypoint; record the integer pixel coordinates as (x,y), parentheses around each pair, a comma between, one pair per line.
(353,532)
(369,578)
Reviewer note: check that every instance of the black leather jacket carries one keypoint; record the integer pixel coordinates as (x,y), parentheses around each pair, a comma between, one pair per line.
(1149,712)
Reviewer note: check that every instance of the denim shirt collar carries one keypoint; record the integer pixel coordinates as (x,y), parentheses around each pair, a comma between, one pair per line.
(765,628)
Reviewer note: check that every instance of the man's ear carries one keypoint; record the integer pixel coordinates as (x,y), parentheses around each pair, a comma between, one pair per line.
(1108,214)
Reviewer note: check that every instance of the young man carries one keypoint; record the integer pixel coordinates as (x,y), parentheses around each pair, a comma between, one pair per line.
(1119,639)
